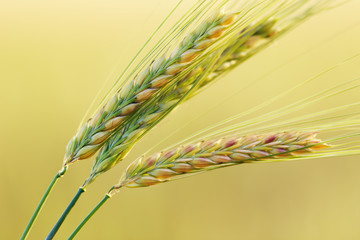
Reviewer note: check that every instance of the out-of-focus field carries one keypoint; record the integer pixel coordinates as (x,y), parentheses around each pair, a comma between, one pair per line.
(54,57)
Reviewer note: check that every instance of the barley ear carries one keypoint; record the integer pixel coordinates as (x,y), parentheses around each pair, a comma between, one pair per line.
(182,58)
(212,154)
(147,83)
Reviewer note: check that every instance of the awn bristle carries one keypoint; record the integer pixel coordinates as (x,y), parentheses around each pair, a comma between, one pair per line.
(212,154)
(90,138)
(244,47)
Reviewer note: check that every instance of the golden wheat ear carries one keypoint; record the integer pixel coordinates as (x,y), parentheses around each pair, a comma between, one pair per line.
(206,155)
(147,83)
(169,81)
(215,153)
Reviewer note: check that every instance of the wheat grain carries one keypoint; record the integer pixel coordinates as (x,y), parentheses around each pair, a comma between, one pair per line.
(212,154)
(98,129)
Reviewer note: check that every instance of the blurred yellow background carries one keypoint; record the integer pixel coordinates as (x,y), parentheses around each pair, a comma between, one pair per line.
(54,57)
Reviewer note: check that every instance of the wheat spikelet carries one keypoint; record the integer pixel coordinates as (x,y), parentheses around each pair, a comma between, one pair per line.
(212,154)
(147,83)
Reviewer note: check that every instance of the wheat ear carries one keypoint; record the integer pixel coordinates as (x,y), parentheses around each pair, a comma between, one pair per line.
(212,154)
(208,33)
(98,129)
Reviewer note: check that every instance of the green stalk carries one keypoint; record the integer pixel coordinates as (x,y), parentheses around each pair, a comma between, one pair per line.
(42,202)
(65,213)
(89,216)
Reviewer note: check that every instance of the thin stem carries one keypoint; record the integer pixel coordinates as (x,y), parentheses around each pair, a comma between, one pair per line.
(89,216)
(42,202)
(65,213)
